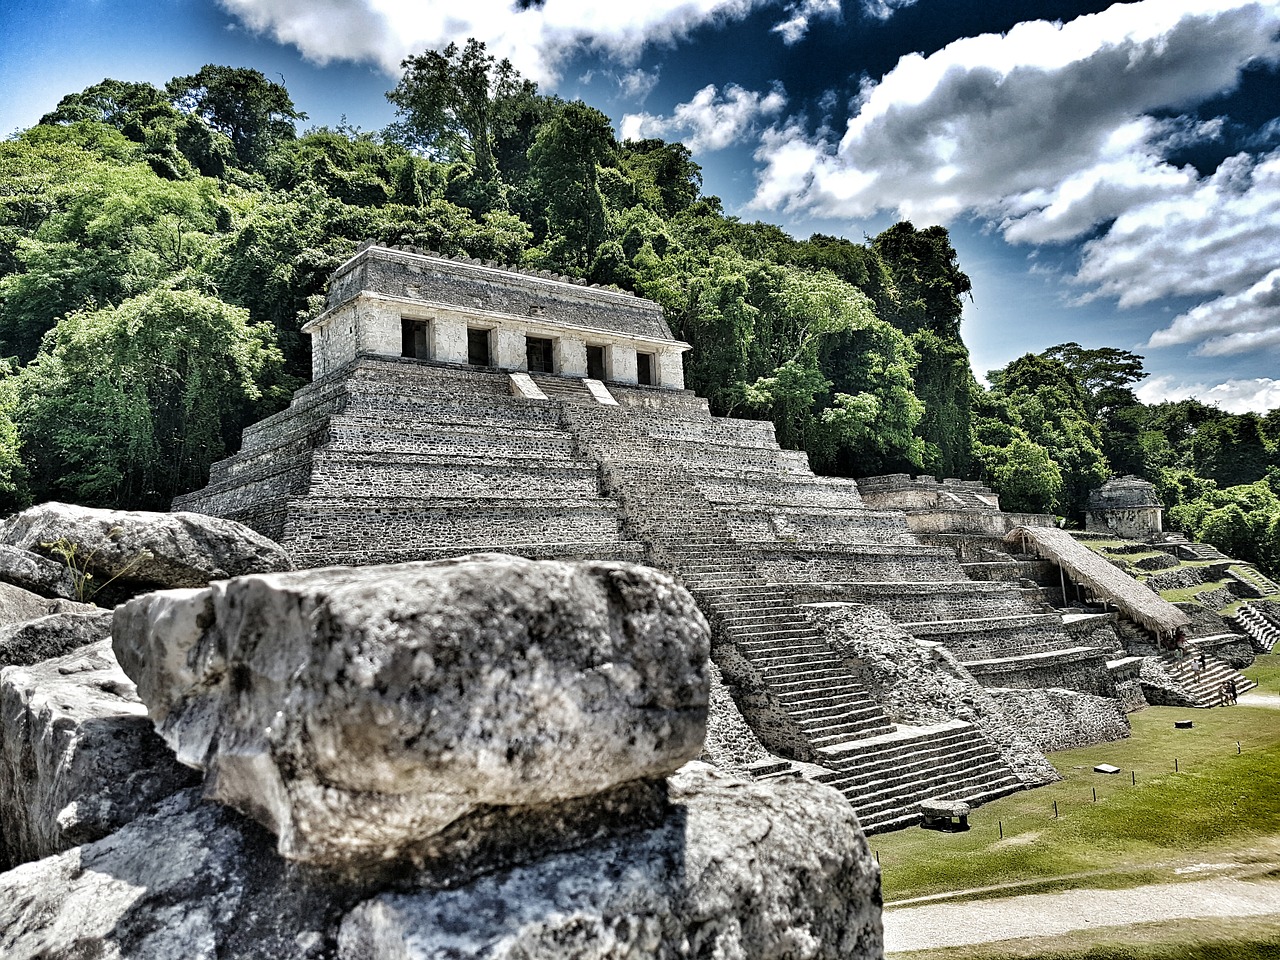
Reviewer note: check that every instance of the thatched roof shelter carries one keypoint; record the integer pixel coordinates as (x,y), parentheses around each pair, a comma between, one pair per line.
(1131,597)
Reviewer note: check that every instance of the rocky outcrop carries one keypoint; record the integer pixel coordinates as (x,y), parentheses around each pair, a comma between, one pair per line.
(735,870)
(192,880)
(78,756)
(472,758)
(33,641)
(120,553)
(1160,688)
(731,744)
(31,571)
(919,682)
(1060,719)
(760,870)
(359,712)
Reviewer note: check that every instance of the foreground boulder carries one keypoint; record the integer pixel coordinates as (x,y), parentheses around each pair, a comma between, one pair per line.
(192,880)
(742,870)
(78,756)
(360,713)
(139,549)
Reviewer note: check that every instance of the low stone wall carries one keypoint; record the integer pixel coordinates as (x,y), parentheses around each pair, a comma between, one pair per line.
(992,523)
(910,602)
(801,526)
(1084,671)
(1058,719)
(317,528)
(968,547)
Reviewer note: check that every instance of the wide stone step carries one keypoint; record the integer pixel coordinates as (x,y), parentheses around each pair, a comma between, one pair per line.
(923,784)
(946,759)
(849,730)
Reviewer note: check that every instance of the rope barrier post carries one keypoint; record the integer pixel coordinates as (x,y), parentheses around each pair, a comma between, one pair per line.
(1055,809)
(1001,829)
(1175,764)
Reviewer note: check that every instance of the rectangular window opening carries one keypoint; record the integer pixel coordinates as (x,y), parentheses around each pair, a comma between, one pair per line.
(644,369)
(478,347)
(538,355)
(413,339)
(595,362)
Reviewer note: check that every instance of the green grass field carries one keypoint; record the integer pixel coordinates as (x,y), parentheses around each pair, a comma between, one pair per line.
(1217,815)
(1220,807)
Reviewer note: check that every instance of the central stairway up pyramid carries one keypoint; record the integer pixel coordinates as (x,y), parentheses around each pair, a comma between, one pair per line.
(457,407)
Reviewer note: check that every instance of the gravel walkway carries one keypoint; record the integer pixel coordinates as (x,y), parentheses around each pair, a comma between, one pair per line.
(1050,914)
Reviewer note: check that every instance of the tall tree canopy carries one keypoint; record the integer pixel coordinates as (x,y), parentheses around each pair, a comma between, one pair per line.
(131,404)
(452,103)
(254,112)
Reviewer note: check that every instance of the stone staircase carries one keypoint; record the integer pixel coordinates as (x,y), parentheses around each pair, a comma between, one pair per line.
(1261,628)
(1254,579)
(800,697)
(1204,686)
(892,773)
(1199,551)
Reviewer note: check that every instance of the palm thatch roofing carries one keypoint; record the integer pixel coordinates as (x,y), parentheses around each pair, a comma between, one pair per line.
(1131,597)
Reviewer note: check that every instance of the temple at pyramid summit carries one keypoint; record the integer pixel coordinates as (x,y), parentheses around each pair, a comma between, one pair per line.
(904,641)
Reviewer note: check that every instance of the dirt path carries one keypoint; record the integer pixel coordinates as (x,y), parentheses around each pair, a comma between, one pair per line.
(1050,914)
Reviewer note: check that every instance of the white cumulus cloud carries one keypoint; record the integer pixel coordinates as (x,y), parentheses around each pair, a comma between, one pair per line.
(535,39)
(1234,396)
(1055,131)
(712,120)
(801,14)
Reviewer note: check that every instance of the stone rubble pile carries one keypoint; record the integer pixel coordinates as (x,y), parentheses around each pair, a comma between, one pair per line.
(482,757)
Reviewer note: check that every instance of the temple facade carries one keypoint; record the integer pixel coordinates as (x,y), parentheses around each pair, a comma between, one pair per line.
(406,303)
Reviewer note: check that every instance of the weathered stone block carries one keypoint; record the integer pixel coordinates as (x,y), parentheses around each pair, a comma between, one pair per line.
(78,757)
(155,549)
(359,711)
(18,605)
(741,870)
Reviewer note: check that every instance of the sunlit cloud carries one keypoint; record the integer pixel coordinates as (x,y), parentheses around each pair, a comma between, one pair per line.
(712,120)
(802,14)
(1055,133)
(536,39)
(1234,396)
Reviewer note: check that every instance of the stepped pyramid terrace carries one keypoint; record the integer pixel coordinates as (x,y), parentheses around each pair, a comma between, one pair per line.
(460,407)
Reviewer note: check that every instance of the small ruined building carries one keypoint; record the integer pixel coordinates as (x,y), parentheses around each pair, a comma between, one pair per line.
(1128,507)
(460,407)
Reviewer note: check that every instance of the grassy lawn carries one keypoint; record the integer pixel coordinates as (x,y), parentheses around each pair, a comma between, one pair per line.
(1220,808)
(1246,938)
(1265,672)
(1191,593)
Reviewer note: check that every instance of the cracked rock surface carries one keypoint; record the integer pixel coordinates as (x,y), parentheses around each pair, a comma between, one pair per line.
(743,870)
(357,712)
(78,757)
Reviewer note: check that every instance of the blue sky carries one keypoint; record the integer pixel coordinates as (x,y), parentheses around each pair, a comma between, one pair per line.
(1110,174)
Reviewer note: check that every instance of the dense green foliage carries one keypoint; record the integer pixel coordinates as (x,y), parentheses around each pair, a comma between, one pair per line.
(197,218)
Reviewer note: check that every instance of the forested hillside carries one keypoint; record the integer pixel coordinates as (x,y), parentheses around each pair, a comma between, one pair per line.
(161,248)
